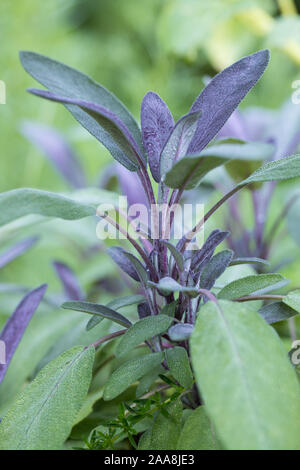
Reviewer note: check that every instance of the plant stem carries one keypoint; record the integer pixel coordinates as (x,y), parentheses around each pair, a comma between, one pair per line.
(190,235)
(108,337)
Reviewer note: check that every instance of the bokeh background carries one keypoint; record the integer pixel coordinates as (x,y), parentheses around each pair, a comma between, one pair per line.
(130,46)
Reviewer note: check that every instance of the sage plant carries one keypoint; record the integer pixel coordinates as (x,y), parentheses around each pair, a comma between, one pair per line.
(190,343)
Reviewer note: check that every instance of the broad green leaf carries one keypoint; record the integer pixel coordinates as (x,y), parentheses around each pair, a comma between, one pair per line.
(250,285)
(60,78)
(40,336)
(167,284)
(43,414)
(190,170)
(248,385)
(99,310)
(276,311)
(197,432)
(283,169)
(128,373)
(116,304)
(25,201)
(179,365)
(142,330)
(178,142)
(292,300)
(166,428)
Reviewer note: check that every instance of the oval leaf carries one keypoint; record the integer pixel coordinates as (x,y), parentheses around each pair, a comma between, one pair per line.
(130,372)
(251,284)
(144,329)
(197,432)
(179,365)
(62,79)
(25,201)
(42,416)
(248,385)
(157,123)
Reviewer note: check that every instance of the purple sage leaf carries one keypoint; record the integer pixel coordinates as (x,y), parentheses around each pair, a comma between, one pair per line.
(157,123)
(223,94)
(60,154)
(16,325)
(118,254)
(16,250)
(213,270)
(129,153)
(64,80)
(202,256)
(69,281)
(178,142)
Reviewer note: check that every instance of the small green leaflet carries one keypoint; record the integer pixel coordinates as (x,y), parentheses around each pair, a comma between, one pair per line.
(167,284)
(252,284)
(166,428)
(283,169)
(98,310)
(25,201)
(44,412)
(129,372)
(142,330)
(179,365)
(197,432)
(252,396)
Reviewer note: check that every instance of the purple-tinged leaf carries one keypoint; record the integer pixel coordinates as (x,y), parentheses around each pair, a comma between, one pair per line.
(260,122)
(286,131)
(100,310)
(202,256)
(54,146)
(131,186)
(17,250)
(128,153)
(222,96)
(69,281)
(178,142)
(143,310)
(235,127)
(214,268)
(64,80)
(17,324)
(157,123)
(118,254)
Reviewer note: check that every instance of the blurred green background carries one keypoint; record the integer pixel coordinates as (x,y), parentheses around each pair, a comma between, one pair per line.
(130,47)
